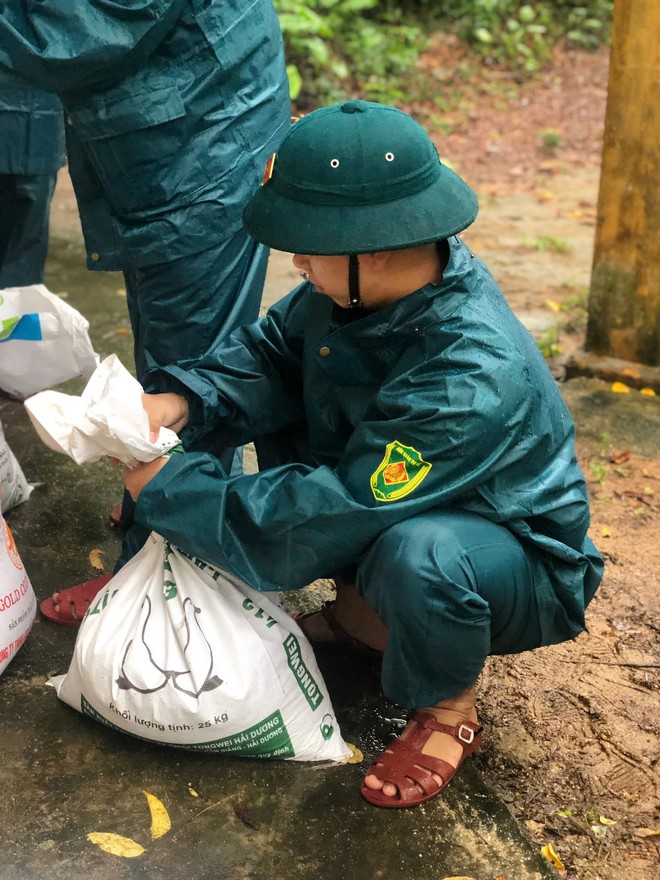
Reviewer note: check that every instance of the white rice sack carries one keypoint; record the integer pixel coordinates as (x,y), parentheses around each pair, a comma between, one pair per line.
(18,604)
(177,651)
(14,488)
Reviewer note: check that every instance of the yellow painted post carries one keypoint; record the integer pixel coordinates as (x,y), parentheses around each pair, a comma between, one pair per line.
(624,297)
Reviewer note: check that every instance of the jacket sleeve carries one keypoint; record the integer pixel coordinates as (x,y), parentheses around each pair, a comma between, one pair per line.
(249,385)
(284,527)
(68,46)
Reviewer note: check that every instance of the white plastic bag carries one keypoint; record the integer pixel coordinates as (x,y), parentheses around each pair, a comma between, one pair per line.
(18,604)
(108,419)
(177,651)
(14,488)
(43,341)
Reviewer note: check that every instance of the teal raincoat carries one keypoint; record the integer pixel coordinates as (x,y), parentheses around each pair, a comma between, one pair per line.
(441,400)
(31,128)
(172,108)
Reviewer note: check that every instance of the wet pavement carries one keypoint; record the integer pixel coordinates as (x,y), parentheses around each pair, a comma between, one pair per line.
(64,776)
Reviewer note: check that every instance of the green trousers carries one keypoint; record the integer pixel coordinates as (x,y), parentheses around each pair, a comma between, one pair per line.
(452,588)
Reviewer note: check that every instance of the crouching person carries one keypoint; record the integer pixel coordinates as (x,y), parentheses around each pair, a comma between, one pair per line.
(424,455)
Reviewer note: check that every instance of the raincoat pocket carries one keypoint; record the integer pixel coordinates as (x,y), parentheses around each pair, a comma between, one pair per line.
(136,136)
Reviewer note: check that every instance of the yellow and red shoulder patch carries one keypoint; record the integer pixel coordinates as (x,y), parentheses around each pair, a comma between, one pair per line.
(401,470)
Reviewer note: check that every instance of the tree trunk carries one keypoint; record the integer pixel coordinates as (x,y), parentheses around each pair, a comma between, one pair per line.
(624,298)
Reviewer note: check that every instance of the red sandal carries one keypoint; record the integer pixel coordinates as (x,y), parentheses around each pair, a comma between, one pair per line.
(403,763)
(68,607)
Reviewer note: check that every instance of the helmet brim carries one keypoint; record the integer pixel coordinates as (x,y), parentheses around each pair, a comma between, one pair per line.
(444,208)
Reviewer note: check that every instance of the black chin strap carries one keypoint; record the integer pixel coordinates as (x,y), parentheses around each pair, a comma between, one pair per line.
(354,300)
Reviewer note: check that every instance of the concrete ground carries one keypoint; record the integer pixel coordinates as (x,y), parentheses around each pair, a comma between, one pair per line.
(63,776)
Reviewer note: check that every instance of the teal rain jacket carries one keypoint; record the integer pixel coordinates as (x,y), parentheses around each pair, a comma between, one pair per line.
(441,399)
(31,128)
(172,108)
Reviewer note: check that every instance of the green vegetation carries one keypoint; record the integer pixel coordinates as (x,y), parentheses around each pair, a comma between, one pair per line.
(336,48)
(550,139)
(521,34)
(548,342)
(551,243)
(575,312)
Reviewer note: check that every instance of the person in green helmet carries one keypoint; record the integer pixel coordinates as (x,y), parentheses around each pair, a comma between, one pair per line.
(417,447)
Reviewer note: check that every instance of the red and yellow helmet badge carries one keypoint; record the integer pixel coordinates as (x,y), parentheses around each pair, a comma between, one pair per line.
(401,470)
(268,172)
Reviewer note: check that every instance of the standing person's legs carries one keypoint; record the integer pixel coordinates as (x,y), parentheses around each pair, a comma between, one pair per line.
(179,311)
(24,227)
(7,218)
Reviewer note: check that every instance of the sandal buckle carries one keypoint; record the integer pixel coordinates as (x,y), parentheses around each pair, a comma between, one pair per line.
(465,734)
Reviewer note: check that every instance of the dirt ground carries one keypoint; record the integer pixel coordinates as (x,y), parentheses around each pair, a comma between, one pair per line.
(572,729)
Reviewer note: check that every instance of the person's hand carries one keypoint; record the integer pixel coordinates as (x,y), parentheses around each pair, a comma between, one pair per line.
(136,478)
(167,410)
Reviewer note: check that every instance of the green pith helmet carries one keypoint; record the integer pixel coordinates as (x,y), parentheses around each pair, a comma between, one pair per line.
(357,178)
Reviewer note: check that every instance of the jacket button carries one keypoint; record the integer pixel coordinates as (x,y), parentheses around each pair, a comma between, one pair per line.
(324,351)
(95,257)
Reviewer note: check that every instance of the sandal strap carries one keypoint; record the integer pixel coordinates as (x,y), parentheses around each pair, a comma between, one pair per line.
(465,732)
(342,637)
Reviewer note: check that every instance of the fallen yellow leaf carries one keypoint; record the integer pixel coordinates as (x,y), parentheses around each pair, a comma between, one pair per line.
(357,757)
(191,791)
(647,832)
(120,291)
(160,818)
(549,853)
(546,196)
(553,304)
(631,371)
(122,331)
(116,845)
(605,532)
(605,821)
(620,388)
(649,392)
(95,559)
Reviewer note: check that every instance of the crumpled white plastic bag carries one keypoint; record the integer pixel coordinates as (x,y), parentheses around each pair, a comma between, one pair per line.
(108,419)
(43,341)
